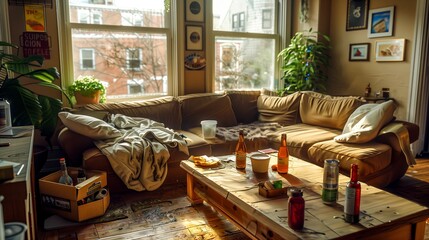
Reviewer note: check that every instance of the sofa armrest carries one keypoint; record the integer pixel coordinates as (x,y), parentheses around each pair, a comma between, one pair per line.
(398,135)
(74,144)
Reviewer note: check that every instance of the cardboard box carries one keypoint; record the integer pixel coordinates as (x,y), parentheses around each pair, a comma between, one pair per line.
(76,202)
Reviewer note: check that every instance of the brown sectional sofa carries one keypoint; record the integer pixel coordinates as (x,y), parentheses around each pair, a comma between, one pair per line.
(311,121)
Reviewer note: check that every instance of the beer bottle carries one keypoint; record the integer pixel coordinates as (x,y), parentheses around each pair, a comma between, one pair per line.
(240,152)
(65,177)
(283,156)
(352,198)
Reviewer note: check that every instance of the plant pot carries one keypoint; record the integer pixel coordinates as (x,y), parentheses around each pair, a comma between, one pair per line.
(81,100)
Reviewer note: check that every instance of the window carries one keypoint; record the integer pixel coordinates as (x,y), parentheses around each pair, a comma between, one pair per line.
(87,59)
(267,21)
(134,57)
(132,19)
(238,21)
(133,61)
(131,46)
(89,16)
(244,58)
(135,86)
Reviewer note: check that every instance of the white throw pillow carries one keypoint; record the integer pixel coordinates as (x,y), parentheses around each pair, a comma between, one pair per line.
(89,126)
(366,121)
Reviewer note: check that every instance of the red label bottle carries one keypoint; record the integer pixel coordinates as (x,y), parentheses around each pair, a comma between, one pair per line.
(283,156)
(296,206)
(352,198)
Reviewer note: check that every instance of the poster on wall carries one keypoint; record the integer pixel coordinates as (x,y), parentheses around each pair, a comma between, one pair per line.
(357,14)
(194,38)
(381,22)
(35,43)
(34,18)
(194,10)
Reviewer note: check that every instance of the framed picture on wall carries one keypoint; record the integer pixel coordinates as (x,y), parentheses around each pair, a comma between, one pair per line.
(357,14)
(390,50)
(359,52)
(194,11)
(194,38)
(381,22)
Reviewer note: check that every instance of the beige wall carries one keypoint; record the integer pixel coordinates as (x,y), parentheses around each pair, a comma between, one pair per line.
(347,77)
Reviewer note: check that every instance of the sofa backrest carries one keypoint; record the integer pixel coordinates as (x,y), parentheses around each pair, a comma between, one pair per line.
(206,106)
(326,111)
(244,104)
(283,110)
(163,109)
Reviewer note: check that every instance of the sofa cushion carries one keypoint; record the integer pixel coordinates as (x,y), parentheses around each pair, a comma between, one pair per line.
(88,126)
(327,112)
(283,110)
(165,110)
(206,106)
(371,157)
(366,121)
(301,136)
(244,104)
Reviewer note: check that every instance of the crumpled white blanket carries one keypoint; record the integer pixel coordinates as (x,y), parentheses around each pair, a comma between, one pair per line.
(139,157)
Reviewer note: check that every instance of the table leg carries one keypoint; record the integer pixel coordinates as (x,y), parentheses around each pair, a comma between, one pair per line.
(192,196)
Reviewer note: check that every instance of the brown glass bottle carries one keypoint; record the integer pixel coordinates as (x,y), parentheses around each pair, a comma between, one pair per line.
(352,198)
(283,156)
(240,152)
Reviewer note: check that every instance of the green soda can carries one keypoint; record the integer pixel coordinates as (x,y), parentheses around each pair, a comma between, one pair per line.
(330,181)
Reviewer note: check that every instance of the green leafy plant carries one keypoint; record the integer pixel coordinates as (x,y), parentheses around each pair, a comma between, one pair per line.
(88,86)
(19,79)
(304,62)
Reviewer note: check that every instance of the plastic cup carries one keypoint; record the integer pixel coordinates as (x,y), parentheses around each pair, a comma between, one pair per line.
(209,128)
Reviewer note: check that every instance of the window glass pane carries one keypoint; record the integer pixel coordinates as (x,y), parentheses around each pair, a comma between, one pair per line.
(146,13)
(235,15)
(124,59)
(240,63)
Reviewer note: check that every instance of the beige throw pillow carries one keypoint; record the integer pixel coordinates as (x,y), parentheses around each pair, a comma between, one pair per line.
(283,110)
(366,121)
(325,111)
(89,126)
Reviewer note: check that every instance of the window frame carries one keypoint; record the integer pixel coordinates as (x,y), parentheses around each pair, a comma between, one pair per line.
(267,20)
(130,58)
(66,55)
(81,58)
(282,27)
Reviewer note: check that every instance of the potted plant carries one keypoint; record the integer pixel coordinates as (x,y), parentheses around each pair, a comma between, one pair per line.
(19,77)
(304,62)
(87,89)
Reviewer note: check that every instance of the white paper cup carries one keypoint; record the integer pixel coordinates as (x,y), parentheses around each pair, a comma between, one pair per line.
(260,162)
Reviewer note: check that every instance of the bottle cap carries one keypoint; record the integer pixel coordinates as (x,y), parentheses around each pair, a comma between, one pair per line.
(296,192)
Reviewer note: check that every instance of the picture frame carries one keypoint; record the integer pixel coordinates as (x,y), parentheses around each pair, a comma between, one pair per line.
(357,14)
(380,22)
(359,52)
(194,11)
(390,50)
(194,37)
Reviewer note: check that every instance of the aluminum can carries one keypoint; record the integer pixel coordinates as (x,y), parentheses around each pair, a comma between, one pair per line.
(330,181)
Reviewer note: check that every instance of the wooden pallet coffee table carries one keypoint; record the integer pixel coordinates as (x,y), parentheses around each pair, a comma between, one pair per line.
(235,194)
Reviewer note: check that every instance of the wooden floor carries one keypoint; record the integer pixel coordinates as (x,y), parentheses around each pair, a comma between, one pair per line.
(203,222)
